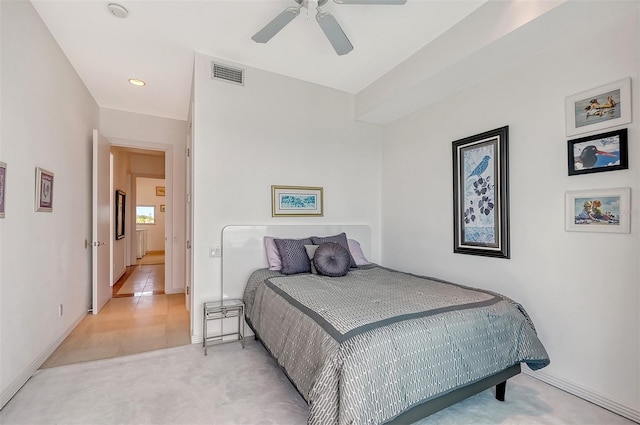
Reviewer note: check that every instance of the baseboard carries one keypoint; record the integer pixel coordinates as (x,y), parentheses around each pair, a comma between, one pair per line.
(174,291)
(116,278)
(584,393)
(22,379)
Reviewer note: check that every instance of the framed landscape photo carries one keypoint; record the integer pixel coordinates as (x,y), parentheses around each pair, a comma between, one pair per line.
(121,203)
(602,107)
(44,190)
(601,210)
(3,187)
(598,153)
(481,195)
(296,201)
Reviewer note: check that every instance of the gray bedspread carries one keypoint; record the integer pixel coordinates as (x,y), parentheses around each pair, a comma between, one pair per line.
(365,347)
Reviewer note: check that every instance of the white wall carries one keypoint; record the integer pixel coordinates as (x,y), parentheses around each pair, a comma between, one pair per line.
(155,133)
(47,119)
(146,195)
(581,289)
(274,130)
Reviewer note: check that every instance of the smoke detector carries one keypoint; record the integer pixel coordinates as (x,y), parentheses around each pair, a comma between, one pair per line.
(117,10)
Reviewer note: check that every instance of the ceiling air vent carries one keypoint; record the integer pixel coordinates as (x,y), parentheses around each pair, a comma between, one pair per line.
(227,73)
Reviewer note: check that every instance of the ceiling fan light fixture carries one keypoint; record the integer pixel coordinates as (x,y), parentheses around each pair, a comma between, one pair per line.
(331,28)
(137,82)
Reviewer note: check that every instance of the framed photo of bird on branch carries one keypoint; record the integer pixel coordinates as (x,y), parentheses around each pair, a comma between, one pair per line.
(481,194)
(598,153)
(599,108)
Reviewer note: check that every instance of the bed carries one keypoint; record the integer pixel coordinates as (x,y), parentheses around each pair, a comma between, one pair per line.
(378,345)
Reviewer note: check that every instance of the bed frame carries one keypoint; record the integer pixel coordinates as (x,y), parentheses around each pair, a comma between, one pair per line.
(499,380)
(243,252)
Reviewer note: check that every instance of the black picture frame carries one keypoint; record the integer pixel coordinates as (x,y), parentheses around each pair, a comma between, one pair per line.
(121,202)
(3,187)
(481,194)
(598,153)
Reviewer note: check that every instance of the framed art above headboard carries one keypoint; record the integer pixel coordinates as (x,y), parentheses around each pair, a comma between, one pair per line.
(243,248)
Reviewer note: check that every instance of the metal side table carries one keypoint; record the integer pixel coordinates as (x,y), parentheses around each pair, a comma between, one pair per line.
(218,310)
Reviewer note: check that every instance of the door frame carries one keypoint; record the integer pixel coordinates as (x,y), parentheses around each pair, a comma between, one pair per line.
(168,176)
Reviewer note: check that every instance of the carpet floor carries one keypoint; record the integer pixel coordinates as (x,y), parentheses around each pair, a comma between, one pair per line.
(235,386)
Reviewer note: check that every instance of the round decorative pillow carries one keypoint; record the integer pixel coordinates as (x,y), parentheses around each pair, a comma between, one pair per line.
(331,259)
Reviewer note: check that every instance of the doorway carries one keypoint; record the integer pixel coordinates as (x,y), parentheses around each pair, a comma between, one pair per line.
(134,322)
(145,276)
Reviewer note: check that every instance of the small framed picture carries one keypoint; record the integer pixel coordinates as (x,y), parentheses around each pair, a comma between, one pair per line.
(601,210)
(160,191)
(598,153)
(602,107)
(162,208)
(44,190)
(3,187)
(121,202)
(296,201)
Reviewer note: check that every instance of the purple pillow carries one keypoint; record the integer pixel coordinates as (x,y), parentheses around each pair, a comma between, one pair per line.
(340,239)
(273,256)
(332,259)
(293,255)
(356,252)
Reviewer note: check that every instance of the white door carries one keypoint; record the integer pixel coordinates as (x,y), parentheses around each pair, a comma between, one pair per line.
(101,221)
(187,292)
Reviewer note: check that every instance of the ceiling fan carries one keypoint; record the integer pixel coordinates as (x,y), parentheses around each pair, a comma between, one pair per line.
(327,22)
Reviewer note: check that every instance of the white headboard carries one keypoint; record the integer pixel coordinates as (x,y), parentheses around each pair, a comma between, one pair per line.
(243,248)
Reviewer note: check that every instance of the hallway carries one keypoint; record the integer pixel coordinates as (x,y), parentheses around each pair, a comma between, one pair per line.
(140,317)
(146,278)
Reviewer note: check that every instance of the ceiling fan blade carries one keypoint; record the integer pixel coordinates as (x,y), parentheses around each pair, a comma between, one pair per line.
(273,27)
(383,2)
(334,32)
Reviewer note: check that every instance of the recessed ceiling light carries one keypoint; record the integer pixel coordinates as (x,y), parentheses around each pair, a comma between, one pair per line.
(137,82)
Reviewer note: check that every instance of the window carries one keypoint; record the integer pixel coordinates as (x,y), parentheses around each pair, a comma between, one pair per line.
(145,214)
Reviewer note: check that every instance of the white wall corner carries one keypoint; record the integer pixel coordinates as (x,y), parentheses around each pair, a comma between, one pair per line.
(27,373)
(584,393)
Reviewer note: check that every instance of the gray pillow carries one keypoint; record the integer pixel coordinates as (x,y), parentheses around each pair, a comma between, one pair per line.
(339,239)
(331,259)
(293,255)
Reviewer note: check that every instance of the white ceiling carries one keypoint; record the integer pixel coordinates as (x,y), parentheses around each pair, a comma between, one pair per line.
(157,41)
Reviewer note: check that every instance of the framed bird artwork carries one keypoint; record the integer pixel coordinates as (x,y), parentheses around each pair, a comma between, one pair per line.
(598,153)
(481,195)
